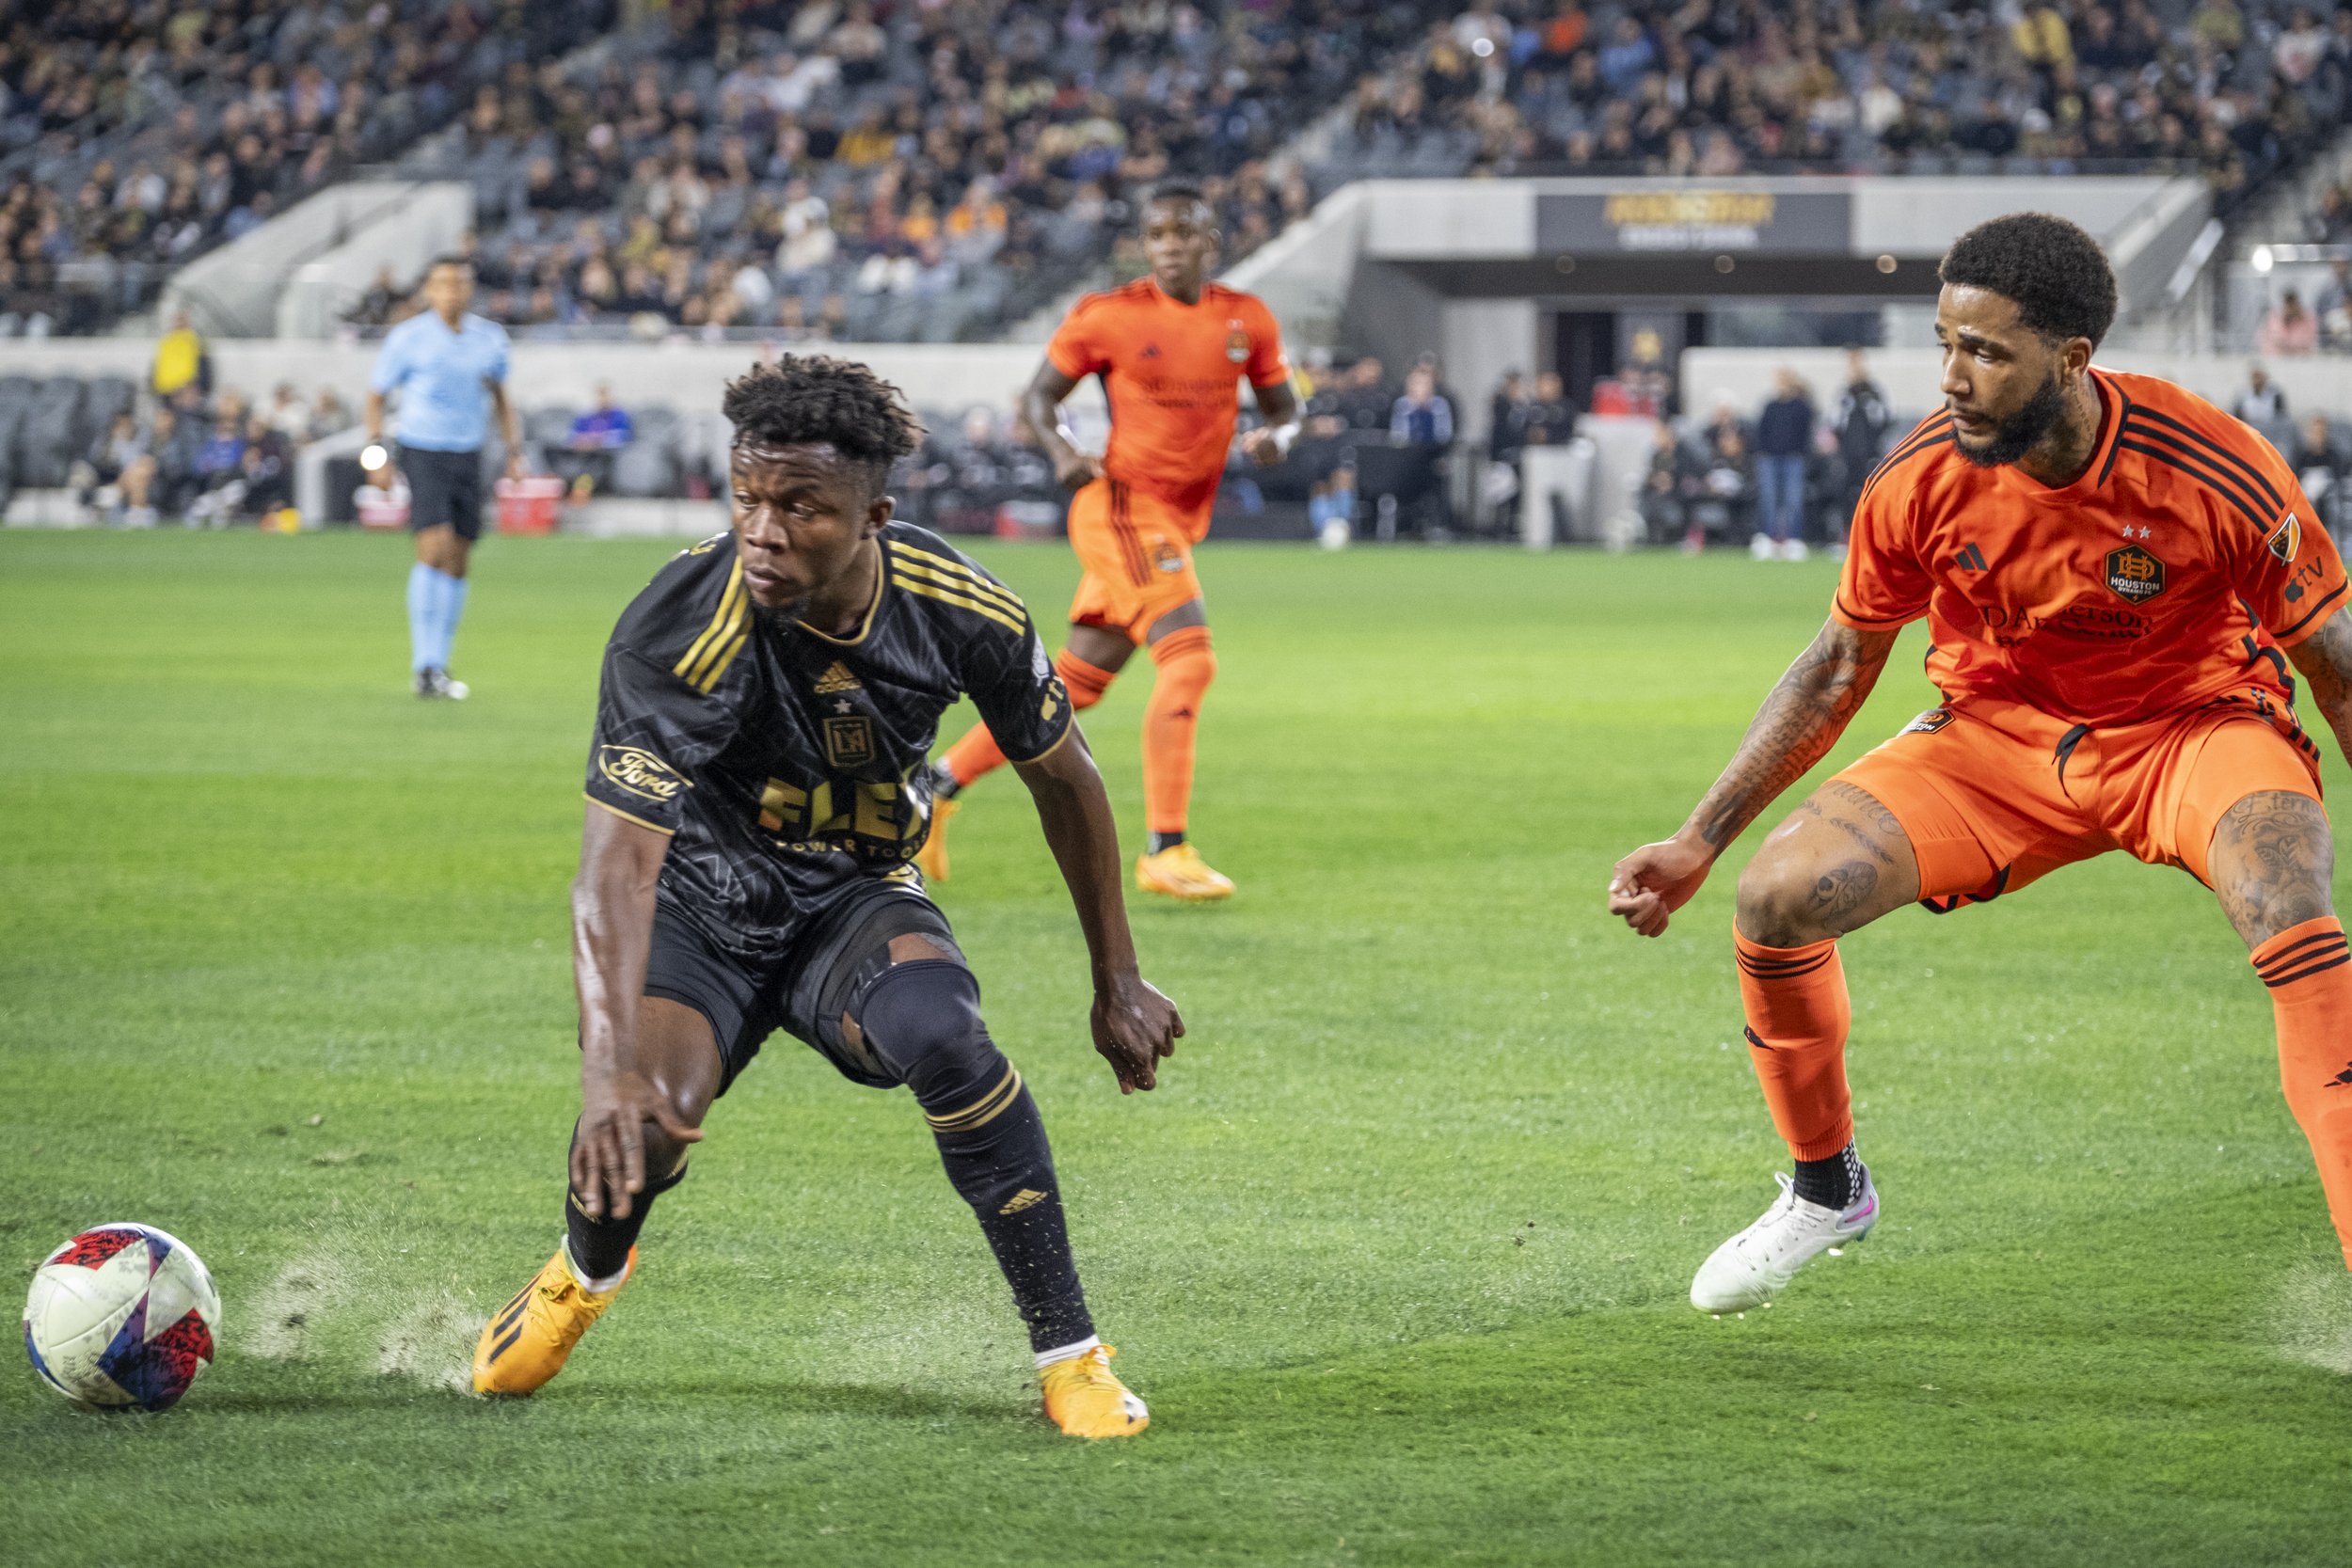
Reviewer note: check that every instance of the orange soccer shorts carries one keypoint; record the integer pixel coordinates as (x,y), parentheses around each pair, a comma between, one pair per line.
(1994,794)
(1136,550)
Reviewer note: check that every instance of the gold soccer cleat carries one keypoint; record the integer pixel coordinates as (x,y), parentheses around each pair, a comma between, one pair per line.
(1179,872)
(1085,1400)
(528,1339)
(931,860)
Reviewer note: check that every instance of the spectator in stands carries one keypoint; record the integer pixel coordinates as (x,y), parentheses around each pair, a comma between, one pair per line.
(1421,416)
(1668,489)
(219,484)
(2319,464)
(1784,436)
(1727,486)
(2332,305)
(182,359)
(594,441)
(1506,427)
(2262,405)
(119,449)
(2288,329)
(1548,419)
(1862,423)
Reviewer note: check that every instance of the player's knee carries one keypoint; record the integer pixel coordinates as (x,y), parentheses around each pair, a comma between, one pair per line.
(922,1020)
(2272,863)
(1775,905)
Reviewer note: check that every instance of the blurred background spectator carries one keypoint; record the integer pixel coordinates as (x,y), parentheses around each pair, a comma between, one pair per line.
(1784,441)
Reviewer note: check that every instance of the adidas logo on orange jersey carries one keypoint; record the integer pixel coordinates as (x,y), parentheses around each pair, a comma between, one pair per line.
(838,679)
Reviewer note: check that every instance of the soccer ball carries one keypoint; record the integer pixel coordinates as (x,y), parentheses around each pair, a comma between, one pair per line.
(121,1317)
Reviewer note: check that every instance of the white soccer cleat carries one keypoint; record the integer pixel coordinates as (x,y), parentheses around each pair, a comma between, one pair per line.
(1762,547)
(1757,1264)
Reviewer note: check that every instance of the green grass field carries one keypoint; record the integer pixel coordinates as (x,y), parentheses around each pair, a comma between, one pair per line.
(1397,1253)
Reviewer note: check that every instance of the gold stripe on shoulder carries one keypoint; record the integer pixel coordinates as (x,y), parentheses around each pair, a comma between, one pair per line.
(720,627)
(709,681)
(627,817)
(932,590)
(954,574)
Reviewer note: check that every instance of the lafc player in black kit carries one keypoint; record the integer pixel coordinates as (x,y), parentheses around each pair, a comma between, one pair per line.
(756,797)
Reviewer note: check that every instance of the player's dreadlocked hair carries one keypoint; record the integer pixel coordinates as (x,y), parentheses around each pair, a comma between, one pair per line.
(2054,272)
(804,399)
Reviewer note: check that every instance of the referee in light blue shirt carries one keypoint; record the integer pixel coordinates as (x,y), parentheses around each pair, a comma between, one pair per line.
(449,370)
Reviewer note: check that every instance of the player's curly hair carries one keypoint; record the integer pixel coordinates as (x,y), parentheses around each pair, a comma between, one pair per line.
(2053,269)
(804,399)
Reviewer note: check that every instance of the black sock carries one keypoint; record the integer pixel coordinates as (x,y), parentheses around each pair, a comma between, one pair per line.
(1166,841)
(599,1248)
(1834,1182)
(991,1137)
(943,784)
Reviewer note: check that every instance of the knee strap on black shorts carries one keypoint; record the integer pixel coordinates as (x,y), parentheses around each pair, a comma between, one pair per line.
(922,1020)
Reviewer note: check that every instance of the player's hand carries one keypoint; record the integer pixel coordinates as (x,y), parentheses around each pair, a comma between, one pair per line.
(1134,1027)
(1074,470)
(1655,881)
(609,1150)
(1261,447)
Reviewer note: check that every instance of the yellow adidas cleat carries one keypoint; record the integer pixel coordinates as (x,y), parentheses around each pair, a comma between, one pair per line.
(1085,1400)
(931,860)
(528,1339)
(1179,872)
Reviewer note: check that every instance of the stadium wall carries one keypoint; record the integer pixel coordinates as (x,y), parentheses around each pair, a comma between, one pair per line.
(1908,376)
(688,377)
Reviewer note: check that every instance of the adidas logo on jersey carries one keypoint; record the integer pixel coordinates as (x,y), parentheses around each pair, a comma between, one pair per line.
(838,679)
(1970,558)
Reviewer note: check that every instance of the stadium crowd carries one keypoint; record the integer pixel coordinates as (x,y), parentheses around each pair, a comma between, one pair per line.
(1716,87)
(910,171)
(140,133)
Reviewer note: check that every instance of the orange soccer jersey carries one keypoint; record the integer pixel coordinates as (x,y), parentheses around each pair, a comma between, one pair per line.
(2108,651)
(2165,575)
(1171,372)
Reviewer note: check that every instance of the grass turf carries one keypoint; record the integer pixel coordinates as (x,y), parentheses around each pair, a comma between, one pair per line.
(1397,1253)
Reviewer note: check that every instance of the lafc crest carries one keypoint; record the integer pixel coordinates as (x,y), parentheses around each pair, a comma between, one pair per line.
(850,742)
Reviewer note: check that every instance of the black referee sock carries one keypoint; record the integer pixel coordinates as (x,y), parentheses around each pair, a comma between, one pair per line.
(1834,1182)
(599,1247)
(924,1019)
(1165,841)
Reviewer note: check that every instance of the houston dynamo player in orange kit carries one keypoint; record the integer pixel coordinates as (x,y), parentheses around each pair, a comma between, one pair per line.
(1172,348)
(2116,576)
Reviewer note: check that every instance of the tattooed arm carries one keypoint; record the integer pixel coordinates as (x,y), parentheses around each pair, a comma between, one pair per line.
(1795,728)
(2326,659)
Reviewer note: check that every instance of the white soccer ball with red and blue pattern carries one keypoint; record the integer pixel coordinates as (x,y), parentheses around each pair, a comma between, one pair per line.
(121,1317)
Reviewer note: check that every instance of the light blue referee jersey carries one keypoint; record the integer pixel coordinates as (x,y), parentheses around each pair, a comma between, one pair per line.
(439,375)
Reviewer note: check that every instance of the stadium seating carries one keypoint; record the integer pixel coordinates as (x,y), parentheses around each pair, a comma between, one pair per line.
(134,139)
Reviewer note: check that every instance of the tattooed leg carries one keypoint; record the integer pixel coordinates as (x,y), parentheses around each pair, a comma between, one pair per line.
(1839,862)
(2271,862)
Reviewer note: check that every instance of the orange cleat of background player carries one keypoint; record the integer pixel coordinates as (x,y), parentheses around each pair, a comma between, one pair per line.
(2116,576)
(1172,348)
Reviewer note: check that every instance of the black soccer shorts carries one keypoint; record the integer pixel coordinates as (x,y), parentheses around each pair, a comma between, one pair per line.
(444,489)
(804,989)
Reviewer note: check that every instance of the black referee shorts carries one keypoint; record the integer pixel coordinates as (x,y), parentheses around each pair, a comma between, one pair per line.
(444,489)
(805,988)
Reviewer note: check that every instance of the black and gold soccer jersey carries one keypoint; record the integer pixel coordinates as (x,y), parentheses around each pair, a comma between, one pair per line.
(785,764)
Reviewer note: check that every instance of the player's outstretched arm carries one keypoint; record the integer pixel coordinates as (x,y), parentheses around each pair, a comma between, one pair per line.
(611,934)
(1133,1024)
(2326,659)
(1795,728)
(1040,410)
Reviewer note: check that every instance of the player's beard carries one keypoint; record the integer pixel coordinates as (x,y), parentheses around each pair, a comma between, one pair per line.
(2022,431)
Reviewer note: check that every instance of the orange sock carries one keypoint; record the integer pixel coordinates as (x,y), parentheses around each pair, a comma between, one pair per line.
(2309,971)
(1795,999)
(978,753)
(1187,665)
